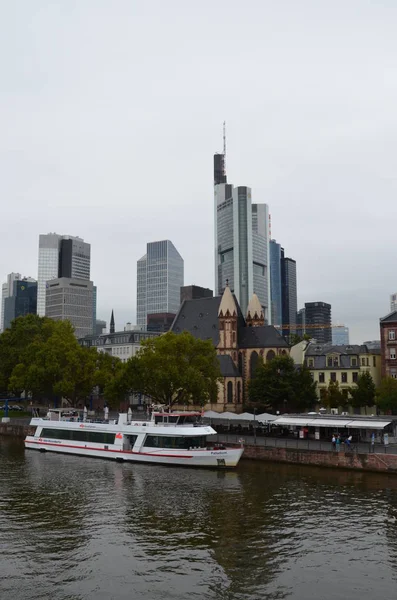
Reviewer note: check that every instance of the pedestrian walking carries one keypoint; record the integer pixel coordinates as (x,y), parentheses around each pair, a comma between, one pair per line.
(337,443)
(373,442)
(348,442)
(333,441)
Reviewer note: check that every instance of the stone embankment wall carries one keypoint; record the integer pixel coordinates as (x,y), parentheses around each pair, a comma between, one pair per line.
(15,430)
(348,460)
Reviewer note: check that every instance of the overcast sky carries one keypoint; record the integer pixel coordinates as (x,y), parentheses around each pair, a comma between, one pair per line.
(111,111)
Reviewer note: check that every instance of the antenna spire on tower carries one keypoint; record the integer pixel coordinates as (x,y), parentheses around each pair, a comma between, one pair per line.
(224,148)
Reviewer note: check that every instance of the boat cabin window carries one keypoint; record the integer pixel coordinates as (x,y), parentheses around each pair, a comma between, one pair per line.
(178,442)
(179,419)
(166,419)
(94,437)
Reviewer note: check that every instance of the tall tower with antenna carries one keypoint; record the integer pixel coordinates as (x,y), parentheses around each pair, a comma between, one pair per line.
(241,239)
(220,162)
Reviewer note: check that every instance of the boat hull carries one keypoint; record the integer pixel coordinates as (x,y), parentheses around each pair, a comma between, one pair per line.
(216,459)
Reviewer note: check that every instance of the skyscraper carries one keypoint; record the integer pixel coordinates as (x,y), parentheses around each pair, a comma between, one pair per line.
(60,256)
(289,294)
(241,241)
(393,302)
(340,335)
(6,291)
(22,300)
(275,283)
(71,299)
(318,317)
(159,280)
(301,322)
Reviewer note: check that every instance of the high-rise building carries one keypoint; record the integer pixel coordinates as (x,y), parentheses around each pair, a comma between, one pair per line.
(275,283)
(318,318)
(22,300)
(340,335)
(159,281)
(60,256)
(241,241)
(71,299)
(100,327)
(301,322)
(160,322)
(6,291)
(393,302)
(94,302)
(194,292)
(289,294)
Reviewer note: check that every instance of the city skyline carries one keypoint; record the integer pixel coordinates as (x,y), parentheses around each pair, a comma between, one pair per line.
(84,152)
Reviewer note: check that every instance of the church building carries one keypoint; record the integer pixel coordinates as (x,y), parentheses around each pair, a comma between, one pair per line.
(239,341)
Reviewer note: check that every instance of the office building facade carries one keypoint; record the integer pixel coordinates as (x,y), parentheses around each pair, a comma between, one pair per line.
(393,302)
(301,322)
(160,276)
(60,256)
(340,335)
(318,321)
(275,283)
(6,291)
(22,301)
(72,300)
(241,241)
(289,294)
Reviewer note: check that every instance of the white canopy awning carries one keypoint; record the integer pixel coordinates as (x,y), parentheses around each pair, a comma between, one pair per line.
(211,414)
(329,423)
(336,423)
(266,417)
(246,417)
(358,424)
(292,421)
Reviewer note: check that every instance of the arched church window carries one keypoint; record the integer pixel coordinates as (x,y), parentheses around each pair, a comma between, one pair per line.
(253,364)
(230,392)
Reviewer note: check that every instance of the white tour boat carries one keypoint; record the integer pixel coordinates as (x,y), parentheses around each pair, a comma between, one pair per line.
(167,438)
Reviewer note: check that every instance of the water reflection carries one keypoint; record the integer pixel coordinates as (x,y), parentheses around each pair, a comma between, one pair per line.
(74,528)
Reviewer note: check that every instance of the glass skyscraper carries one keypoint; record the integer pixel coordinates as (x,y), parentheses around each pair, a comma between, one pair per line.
(60,256)
(6,291)
(22,300)
(241,241)
(340,335)
(289,294)
(275,283)
(159,281)
(318,316)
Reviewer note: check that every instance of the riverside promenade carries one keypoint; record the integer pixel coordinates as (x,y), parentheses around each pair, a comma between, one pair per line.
(360,457)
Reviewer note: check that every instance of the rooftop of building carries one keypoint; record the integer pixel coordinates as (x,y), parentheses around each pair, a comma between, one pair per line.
(390,318)
(200,318)
(315,349)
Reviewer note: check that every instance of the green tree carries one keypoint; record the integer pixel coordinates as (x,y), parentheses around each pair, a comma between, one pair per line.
(56,367)
(280,386)
(171,369)
(364,393)
(295,338)
(334,397)
(386,395)
(19,344)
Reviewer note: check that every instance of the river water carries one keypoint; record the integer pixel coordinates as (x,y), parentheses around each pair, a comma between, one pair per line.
(73,528)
